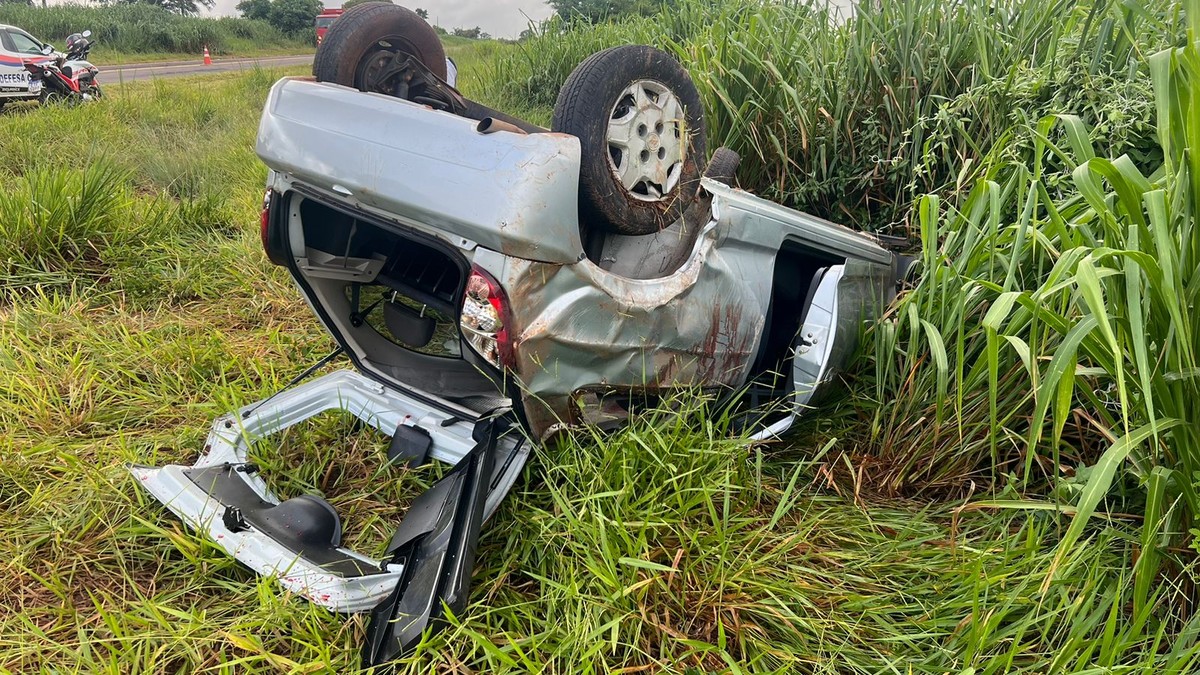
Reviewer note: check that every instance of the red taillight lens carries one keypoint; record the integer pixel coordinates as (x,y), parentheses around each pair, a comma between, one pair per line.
(264,219)
(485,319)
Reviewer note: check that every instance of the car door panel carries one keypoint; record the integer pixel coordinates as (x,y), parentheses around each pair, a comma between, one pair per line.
(16,49)
(13,77)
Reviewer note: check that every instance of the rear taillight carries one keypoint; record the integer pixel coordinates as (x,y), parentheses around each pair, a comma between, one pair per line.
(485,317)
(264,218)
(264,225)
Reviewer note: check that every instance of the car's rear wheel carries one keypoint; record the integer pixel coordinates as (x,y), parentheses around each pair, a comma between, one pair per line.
(363,42)
(640,125)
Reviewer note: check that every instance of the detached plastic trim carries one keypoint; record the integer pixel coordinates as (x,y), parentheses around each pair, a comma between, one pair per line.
(337,578)
(435,545)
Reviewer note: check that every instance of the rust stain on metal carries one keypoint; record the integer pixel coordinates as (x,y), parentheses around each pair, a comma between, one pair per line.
(533,280)
(724,353)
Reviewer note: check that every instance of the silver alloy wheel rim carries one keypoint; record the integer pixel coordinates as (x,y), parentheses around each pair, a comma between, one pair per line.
(646,140)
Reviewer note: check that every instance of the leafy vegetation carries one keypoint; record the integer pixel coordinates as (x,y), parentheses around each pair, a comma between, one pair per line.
(595,11)
(146,29)
(854,120)
(1007,484)
(294,17)
(181,7)
(1052,336)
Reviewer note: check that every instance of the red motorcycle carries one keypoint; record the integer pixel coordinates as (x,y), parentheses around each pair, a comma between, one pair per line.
(67,77)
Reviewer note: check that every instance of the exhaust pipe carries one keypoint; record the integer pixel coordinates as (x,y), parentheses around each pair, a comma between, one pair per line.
(477,111)
(490,125)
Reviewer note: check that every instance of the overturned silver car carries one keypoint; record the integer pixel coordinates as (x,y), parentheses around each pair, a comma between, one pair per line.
(494,285)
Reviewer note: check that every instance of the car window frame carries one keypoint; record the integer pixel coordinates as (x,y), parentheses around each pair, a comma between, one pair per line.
(13,33)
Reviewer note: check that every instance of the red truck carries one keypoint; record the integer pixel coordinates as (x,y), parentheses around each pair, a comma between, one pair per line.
(324,20)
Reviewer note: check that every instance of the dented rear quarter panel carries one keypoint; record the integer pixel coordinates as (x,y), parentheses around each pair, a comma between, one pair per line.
(579,328)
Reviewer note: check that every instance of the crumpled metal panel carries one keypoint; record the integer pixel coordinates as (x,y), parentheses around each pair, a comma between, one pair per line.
(513,193)
(770,224)
(580,328)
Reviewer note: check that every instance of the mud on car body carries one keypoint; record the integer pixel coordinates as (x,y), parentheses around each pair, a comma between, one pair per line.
(495,284)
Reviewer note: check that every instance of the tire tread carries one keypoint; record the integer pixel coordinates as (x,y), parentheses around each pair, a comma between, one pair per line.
(350,31)
(602,199)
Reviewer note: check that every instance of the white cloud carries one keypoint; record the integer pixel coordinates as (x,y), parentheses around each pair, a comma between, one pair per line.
(501,18)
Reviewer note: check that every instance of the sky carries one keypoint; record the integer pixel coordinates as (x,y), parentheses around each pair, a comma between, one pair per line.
(501,18)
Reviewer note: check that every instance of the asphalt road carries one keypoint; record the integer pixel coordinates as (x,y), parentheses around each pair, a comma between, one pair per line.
(145,71)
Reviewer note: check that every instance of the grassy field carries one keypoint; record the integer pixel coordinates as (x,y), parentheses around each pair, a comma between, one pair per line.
(142,33)
(136,304)
(112,57)
(127,33)
(851,120)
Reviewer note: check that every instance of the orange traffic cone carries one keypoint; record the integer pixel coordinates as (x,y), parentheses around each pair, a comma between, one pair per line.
(207,56)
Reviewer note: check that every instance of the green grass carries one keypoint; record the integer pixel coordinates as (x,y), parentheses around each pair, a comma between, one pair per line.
(136,304)
(111,57)
(1051,342)
(855,120)
(659,546)
(134,29)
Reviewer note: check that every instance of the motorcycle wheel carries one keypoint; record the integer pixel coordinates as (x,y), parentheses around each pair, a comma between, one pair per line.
(95,91)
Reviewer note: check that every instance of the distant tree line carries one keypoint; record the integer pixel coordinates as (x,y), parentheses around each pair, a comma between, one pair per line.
(597,11)
(294,16)
(182,7)
(289,16)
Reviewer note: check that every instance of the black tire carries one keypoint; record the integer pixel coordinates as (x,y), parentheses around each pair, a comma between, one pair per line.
(596,94)
(368,32)
(95,90)
(723,166)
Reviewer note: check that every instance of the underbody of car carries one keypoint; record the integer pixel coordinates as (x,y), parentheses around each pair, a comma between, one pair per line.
(483,313)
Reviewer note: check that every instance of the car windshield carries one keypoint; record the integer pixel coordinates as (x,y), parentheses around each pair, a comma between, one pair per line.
(324,21)
(23,42)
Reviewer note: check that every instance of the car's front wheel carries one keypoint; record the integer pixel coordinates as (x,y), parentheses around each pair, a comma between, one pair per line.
(640,125)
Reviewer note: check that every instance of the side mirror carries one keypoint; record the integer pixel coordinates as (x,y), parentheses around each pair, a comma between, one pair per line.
(47,50)
(87,33)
